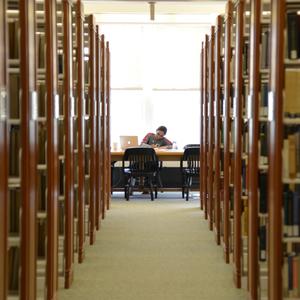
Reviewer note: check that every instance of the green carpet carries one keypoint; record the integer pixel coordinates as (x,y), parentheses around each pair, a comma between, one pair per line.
(160,250)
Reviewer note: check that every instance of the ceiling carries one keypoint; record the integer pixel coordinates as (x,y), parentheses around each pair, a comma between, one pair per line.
(118,11)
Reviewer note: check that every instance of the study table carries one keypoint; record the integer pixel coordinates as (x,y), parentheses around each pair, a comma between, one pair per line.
(162,154)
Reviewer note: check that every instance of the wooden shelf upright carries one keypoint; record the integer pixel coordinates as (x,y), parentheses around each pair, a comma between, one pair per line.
(92,103)
(81,133)
(69,107)
(253,147)
(52,148)
(103,128)
(210,131)
(275,116)
(98,131)
(29,146)
(227,120)
(202,201)
(205,124)
(217,113)
(237,115)
(107,97)
(3,153)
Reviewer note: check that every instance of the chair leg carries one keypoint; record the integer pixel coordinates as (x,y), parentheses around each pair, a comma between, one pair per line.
(183,185)
(151,189)
(159,182)
(188,187)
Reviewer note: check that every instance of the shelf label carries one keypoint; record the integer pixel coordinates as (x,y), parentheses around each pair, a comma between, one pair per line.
(72,107)
(249,107)
(234,107)
(215,108)
(34,105)
(56,106)
(271,106)
(3,105)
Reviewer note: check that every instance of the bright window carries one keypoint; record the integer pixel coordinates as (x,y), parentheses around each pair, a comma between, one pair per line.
(155,80)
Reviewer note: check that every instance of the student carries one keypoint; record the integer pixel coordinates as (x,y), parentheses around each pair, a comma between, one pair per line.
(157,140)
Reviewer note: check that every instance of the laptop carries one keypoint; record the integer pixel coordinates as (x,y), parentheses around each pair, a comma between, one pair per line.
(127,141)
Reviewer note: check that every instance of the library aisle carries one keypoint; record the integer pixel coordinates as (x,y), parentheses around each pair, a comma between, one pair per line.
(159,249)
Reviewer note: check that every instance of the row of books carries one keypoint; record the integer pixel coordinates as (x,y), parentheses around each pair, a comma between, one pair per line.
(291,152)
(293,35)
(291,275)
(291,210)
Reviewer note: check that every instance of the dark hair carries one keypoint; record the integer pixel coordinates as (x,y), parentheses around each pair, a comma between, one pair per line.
(162,128)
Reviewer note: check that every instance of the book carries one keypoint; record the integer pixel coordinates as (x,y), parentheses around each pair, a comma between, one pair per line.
(293,35)
(265,37)
(14,151)
(14,96)
(13,40)
(14,211)
(263,192)
(291,103)
(296,213)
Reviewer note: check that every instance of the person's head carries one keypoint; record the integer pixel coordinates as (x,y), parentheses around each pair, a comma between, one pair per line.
(161,132)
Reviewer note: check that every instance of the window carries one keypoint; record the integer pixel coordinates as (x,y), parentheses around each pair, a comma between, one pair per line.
(155,80)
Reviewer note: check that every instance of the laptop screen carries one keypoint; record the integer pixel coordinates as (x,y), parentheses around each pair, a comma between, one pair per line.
(128,141)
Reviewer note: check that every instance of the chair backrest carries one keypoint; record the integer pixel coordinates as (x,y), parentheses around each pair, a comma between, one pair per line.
(140,160)
(191,160)
(191,146)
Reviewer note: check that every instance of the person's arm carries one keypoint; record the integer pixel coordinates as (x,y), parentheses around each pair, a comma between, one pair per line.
(146,138)
(168,144)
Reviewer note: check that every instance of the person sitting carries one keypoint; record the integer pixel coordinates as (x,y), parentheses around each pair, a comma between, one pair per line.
(157,140)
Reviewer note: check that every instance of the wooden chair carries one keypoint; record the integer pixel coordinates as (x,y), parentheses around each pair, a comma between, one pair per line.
(190,168)
(140,163)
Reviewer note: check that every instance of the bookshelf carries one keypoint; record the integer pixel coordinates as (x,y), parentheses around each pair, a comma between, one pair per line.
(210,131)
(80,127)
(201,179)
(283,191)
(48,144)
(226,128)
(4,193)
(28,153)
(103,159)
(217,127)
(69,112)
(237,139)
(205,125)
(98,131)
(48,151)
(201,125)
(107,97)
(92,131)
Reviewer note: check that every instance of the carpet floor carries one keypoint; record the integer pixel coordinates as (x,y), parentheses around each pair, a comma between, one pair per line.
(153,250)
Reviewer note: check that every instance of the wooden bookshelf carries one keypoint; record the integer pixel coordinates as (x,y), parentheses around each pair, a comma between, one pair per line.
(81,128)
(92,132)
(205,125)
(201,179)
(237,116)
(52,115)
(275,189)
(69,107)
(103,129)
(98,131)
(28,115)
(253,114)
(3,152)
(217,127)
(227,121)
(284,131)
(210,131)
(48,144)
(107,97)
